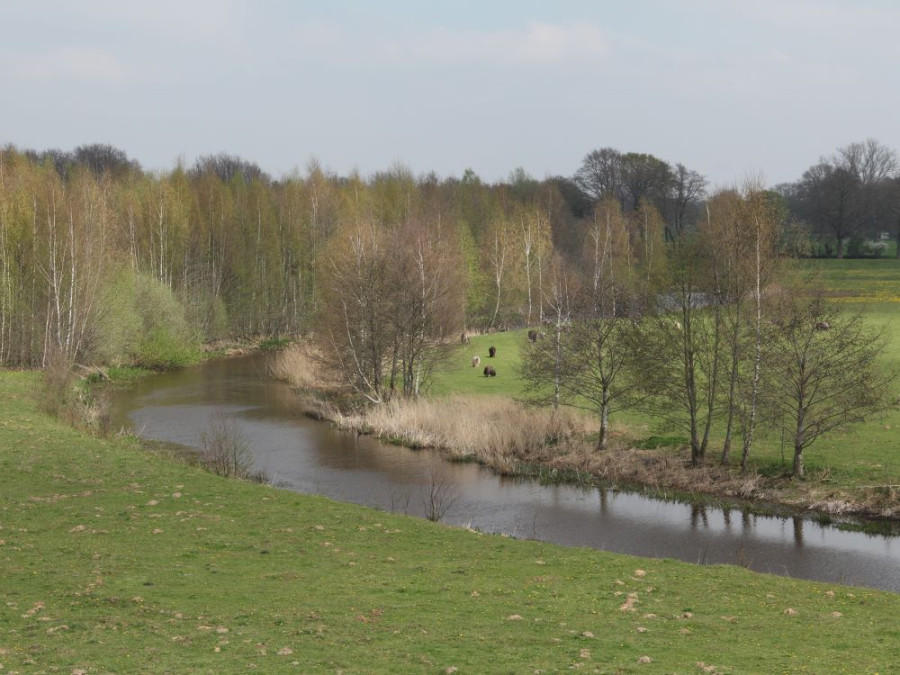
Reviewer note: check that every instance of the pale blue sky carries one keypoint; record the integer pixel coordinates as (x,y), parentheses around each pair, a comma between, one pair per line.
(727,88)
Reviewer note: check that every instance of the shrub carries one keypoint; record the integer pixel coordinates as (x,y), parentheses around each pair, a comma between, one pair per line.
(224,449)
(63,395)
(57,389)
(142,322)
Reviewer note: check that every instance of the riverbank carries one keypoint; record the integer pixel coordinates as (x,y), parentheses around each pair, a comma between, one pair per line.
(120,560)
(514,439)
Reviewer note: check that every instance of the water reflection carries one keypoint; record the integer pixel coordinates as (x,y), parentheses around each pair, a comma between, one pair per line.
(312,457)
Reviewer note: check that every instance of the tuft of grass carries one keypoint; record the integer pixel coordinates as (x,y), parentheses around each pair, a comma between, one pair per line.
(274,344)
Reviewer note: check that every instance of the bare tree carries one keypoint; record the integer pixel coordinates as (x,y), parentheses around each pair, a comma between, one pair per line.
(587,358)
(392,298)
(677,351)
(643,176)
(224,449)
(830,197)
(441,493)
(686,187)
(840,194)
(870,161)
(500,238)
(547,361)
(739,237)
(826,371)
(599,175)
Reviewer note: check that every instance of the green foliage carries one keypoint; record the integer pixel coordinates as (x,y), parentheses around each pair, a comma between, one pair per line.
(668,441)
(274,344)
(119,324)
(161,349)
(207,313)
(143,323)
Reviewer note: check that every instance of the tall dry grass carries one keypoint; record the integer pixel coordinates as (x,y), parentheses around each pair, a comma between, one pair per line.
(495,431)
(303,367)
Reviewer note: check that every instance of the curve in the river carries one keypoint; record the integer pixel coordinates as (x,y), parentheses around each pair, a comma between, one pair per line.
(312,457)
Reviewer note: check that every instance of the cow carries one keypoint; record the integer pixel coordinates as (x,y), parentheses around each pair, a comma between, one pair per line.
(475,361)
(492,351)
(489,371)
(532,336)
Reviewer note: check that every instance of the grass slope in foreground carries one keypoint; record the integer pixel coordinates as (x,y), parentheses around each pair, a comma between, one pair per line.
(114,559)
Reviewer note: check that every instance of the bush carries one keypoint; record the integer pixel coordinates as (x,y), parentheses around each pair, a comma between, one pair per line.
(224,449)
(57,389)
(65,396)
(142,322)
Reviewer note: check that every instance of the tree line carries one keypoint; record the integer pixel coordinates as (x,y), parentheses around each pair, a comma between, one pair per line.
(649,290)
(849,199)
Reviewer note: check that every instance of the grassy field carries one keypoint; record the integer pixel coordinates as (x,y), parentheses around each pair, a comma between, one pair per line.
(115,559)
(862,455)
(459,377)
(856,281)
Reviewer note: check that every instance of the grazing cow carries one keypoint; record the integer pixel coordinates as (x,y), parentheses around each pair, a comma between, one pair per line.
(532,336)
(823,325)
(492,351)
(475,361)
(464,339)
(489,371)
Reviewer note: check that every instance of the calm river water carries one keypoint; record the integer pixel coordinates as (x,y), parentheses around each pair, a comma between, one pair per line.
(311,457)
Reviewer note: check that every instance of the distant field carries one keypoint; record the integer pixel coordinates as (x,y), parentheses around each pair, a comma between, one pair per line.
(855,281)
(113,559)
(866,454)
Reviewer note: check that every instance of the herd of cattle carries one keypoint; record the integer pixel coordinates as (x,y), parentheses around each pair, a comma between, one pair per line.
(489,371)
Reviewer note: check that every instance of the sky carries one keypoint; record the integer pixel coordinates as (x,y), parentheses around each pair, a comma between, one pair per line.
(757,88)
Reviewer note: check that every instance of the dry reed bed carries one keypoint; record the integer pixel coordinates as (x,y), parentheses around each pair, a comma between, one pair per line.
(494,431)
(508,436)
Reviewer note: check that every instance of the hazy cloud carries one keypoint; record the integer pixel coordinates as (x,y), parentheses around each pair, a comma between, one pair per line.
(80,64)
(535,44)
(185,19)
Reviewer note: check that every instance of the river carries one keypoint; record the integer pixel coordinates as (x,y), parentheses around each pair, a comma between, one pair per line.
(312,457)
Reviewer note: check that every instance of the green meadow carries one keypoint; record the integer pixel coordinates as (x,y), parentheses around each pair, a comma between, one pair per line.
(117,559)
